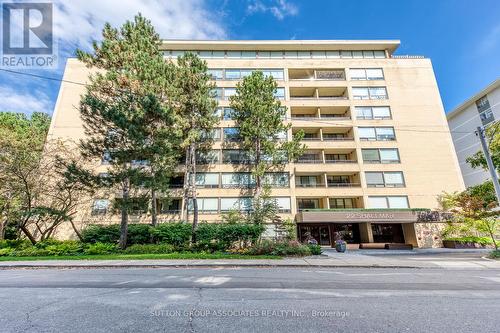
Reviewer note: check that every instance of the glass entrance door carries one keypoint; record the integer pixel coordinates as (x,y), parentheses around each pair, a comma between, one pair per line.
(321,233)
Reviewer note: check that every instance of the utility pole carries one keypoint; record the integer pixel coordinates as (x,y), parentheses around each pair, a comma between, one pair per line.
(493,172)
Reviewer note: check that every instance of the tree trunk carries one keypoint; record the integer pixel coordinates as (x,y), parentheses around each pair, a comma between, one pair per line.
(154,215)
(192,185)
(184,210)
(2,230)
(28,234)
(124,221)
(78,234)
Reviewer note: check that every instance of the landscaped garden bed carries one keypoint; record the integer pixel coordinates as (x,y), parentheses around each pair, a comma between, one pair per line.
(467,242)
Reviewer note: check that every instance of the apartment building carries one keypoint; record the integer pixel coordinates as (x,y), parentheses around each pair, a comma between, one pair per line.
(378,146)
(481,109)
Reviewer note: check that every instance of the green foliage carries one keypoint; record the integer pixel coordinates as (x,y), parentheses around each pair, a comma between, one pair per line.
(288,248)
(290,229)
(101,233)
(495,254)
(14,243)
(315,249)
(176,234)
(221,237)
(139,234)
(260,118)
(149,248)
(100,248)
(471,239)
(493,137)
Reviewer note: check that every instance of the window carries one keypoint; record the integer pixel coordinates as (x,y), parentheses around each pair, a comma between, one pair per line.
(388,202)
(376,133)
(248,54)
(205,205)
(232,74)
(366,73)
(332,54)
(100,206)
(228,114)
(277,179)
(318,54)
(280,93)
(217,93)
(383,155)
(369,93)
(242,204)
(308,181)
(106,158)
(228,92)
(213,135)
(277,74)
(307,204)
(384,179)
(231,134)
(379,54)
(238,180)
(169,206)
(233,54)
(284,204)
(207,180)
(341,203)
(235,156)
(209,157)
(216,74)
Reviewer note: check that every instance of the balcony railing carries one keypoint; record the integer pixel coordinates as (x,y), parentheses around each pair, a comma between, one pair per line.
(337,139)
(341,161)
(318,98)
(343,184)
(309,185)
(315,161)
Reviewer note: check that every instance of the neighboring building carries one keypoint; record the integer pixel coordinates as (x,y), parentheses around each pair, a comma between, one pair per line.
(479,110)
(378,141)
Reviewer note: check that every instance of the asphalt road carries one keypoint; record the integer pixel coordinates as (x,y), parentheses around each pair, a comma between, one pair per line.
(249,300)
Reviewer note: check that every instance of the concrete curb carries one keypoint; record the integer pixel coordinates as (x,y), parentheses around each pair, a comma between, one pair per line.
(202,265)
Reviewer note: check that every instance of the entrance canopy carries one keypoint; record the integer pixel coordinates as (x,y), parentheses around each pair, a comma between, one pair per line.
(369,215)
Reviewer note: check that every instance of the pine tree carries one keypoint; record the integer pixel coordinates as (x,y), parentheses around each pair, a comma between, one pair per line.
(260,116)
(195,108)
(127,113)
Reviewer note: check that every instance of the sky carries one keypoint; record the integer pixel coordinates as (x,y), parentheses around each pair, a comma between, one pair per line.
(461,37)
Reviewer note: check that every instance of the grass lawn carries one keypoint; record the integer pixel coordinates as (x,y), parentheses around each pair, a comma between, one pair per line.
(143,257)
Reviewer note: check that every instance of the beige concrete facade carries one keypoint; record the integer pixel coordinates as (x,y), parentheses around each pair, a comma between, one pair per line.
(323,98)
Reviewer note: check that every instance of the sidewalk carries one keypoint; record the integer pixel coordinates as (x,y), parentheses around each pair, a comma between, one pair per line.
(355,259)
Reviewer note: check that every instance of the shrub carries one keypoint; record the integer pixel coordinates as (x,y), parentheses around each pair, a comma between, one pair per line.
(15,243)
(137,233)
(30,252)
(101,233)
(471,239)
(290,248)
(6,251)
(315,249)
(149,248)
(65,248)
(176,234)
(100,248)
(221,237)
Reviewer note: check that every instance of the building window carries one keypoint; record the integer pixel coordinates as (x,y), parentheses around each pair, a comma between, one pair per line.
(207,180)
(369,93)
(209,157)
(366,73)
(231,134)
(205,205)
(280,93)
(382,155)
(169,206)
(214,134)
(238,180)
(388,202)
(376,133)
(385,179)
(216,74)
(100,206)
(307,204)
(242,204)
(284,204)
(373,112)
(277,179)
(341,203)
(235,156)
(228,92)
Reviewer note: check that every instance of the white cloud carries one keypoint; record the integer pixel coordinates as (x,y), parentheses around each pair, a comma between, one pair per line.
(279,8)
(77,23)
(14,100)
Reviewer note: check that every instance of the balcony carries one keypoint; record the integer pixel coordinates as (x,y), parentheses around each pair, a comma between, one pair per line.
(316,74)
(311,93)
(328,113)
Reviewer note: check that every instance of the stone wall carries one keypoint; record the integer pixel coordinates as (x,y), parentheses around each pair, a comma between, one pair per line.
(429,234)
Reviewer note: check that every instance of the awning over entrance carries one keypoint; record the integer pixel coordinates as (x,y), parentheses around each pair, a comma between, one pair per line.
(368,215)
